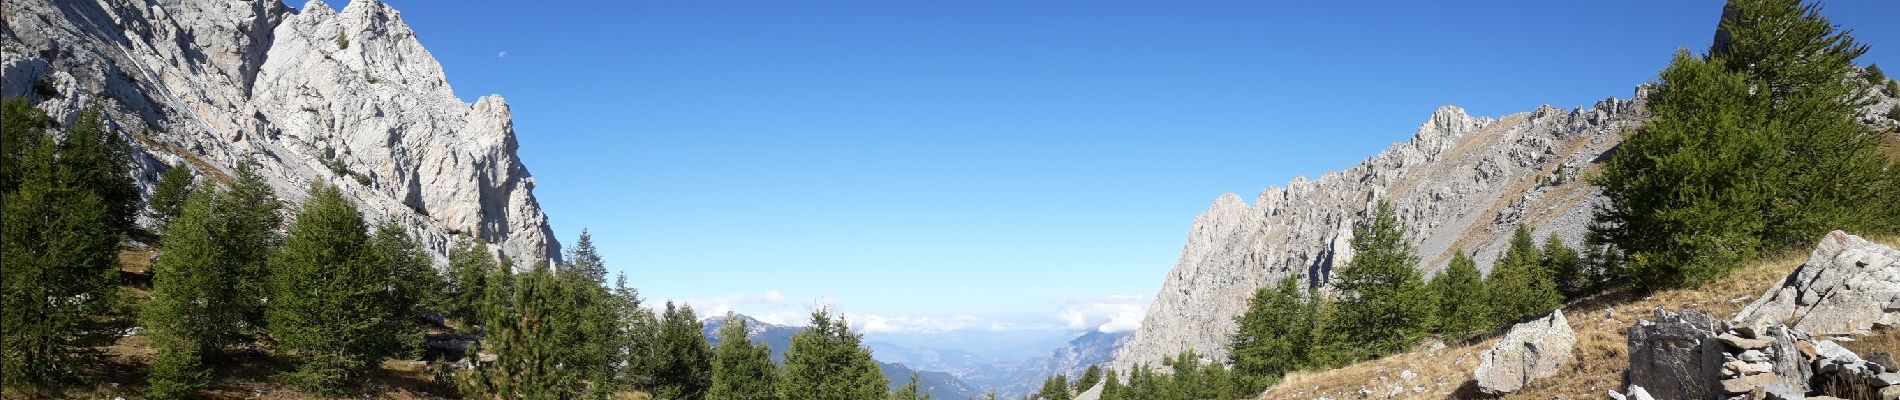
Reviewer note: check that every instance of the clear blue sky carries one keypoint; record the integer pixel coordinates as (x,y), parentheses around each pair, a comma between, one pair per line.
(1002,160)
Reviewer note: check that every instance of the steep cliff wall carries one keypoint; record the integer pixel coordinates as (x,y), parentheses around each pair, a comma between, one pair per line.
(347,98)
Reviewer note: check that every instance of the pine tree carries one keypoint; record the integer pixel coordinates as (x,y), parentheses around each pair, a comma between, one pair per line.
(1383,296)
(640,335)
(58,239)
(1112,389)
(682,363)
(1089,378)
(470,265)
(250,222)
(524,319)
(335,306)
(742,370)
(911,390)
(1056,387)
(828,362)
(174,186)
(96,159)
(193,314)
(1274,335)
(585,260)
(1520,286)
(25,128)
(1462,299)
(1750,149)
(1566,268)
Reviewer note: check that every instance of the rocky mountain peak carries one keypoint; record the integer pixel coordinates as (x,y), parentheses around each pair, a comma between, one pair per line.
(348,98)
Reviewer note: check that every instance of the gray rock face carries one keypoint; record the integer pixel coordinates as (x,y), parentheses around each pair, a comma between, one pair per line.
(1676,356)
(1460,183)
(1531,350)
(1848,286)
(346,98)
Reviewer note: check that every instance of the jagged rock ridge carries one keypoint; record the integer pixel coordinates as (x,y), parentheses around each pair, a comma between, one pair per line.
(348,98)
(1462,183)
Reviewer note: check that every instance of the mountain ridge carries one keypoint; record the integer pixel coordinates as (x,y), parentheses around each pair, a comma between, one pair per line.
(348,98)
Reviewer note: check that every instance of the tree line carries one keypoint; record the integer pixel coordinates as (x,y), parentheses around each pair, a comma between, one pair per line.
(334,295)
(1753,148)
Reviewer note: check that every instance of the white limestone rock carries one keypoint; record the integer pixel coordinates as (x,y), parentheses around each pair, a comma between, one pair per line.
(1529,351)
(1848,286)
(218,83)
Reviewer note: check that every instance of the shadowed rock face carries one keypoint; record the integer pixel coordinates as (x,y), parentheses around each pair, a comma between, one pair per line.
(348,98)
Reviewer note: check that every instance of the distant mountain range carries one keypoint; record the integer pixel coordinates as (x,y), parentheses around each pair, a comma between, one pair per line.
(778,338)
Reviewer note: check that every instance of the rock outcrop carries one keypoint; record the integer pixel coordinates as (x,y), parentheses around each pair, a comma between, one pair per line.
(347,98)
(1462,183)
(1531,350)
(1848,286)
(1676,356)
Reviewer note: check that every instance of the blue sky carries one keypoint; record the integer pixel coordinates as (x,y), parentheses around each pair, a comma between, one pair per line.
(994,163)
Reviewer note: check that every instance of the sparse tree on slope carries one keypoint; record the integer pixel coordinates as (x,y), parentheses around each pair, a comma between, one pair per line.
(1462,299)
(910,391)
(168,199)
(682,363)
(1056,387)
(96,159)
(1520,286)
(1089,378)
(336,307)
(524,320)
(1274,334)
(828,362)
(193,314)
(1383,296)
(1112,387)
(1566,268)
(58,239)
(742,370)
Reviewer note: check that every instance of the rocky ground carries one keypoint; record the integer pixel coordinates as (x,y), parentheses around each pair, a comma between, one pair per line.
(1601,354)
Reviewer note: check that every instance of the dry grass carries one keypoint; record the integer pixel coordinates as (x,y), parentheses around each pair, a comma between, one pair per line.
(1601,356)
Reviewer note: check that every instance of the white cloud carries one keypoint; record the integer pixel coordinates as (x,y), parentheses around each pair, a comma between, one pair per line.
(720,305)
(502,54)
(1113,313)
(873,323)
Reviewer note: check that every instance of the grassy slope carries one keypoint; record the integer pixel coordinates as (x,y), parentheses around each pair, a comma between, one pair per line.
(1601,356)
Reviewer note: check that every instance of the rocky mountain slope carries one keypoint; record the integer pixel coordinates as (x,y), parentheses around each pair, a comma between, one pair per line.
(1462,183)
(348,98)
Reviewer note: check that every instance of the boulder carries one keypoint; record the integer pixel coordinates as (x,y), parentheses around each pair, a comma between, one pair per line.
(1531,350)
(1847,286)
(1748,383)
(1676,356)
(1789,362)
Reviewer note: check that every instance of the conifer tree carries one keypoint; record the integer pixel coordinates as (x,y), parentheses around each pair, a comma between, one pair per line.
(682,364)
(25,128)
(96,159)
(1055,387)
(639,335)
(1089,378)
(335,308)
(1520,286)
(828,362)
(470,265)
(585,260)
(1274,334)
(1753,148)
(193,314)
(58,240)
(1112,387)
(250,222)
(1384,298)
(524,318)
(174,186)
(1566,268)
(1462,299)
(741,369)
(910,391)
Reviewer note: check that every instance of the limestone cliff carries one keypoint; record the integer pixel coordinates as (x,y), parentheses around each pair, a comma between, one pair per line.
(1460,183)
(347,98)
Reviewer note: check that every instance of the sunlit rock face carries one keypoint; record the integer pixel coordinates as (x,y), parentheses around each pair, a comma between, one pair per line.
(347,98)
